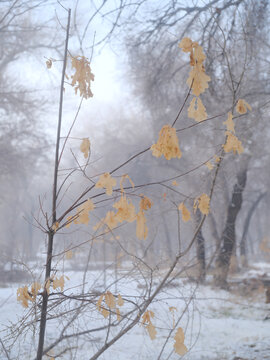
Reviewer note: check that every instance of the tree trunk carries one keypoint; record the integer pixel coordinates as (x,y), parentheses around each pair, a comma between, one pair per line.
(243,250)
(200,251)
(228,240)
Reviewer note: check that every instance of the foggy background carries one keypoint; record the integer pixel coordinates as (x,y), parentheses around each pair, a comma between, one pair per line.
(140,83)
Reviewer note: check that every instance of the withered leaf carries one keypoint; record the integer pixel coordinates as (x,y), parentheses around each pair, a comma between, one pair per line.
(141,228)
(185,212)
(83,76)
(59,283)
(209,165)
(197,110)
(107,182)
(85,147)
(167,144)
(186,44)
(242,106)
(230,123)
(179,346)
(203,203)
(125,210)
(232,144)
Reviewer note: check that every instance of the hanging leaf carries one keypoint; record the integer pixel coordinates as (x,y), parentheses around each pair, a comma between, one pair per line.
(118,314)
(209,165)
(59,283)
(107,182)
(125,210)
(242,106)
(167,144)
(126,176)
(83,76)
(232,144)
(23,296)
(35,287)
(146,321)
(186,44)
(85,147)
(198,80)
(184,211)
(203,203)
(179,346)
(141,228)
(110,300)
(229,123)
(145,203)
(120,301)
(197,110)
(83,212)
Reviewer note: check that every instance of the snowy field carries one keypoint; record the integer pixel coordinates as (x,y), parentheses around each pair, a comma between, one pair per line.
(217,324)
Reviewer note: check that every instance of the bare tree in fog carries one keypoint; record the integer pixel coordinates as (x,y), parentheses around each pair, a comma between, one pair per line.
(236,38)
(22,141)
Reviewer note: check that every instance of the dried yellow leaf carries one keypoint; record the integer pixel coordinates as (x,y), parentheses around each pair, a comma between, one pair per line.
(209,165)
(141,228)
(125,210)
(198,53)
(83,76)
(174,183)
(151,331)
(99,302)
(217,158)
(120,301)
(105,312)
(85,147)
(229,123)
(145,202)
(197,110)
(198,79)
(185,212)
(232,144)
(203,203)
(23,296)
(179,346)
(111,220)
(146,320)
(59,283)
(110,300)
(147,316)
(126,176)
(186,44)
(83,212)
(36,286)
(167,144)
(242,106)
(107,182)
(118,314)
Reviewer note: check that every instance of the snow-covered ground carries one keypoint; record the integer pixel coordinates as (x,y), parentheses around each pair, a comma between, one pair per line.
(217,324)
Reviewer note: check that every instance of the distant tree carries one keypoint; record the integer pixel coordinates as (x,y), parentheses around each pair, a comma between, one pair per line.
(235,36)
